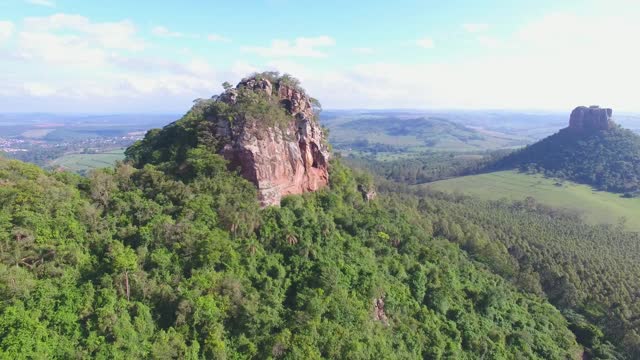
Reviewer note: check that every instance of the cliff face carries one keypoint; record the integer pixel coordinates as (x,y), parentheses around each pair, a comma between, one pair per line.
(590,118)
(290,157)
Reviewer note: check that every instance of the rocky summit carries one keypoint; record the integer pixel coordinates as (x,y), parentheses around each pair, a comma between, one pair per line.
(288,156)
(590,118)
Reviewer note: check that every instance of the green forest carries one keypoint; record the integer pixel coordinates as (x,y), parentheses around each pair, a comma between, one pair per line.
(140,263)
(589,272)
(168,255)
(428,166)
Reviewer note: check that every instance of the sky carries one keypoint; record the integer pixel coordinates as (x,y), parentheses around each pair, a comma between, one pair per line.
(158,56)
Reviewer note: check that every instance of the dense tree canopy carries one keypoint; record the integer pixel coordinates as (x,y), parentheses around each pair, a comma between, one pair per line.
(428,166)
(168,255)
(589,272)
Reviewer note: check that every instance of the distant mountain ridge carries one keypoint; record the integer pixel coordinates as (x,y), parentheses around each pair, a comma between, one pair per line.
(593,150)
(404,133)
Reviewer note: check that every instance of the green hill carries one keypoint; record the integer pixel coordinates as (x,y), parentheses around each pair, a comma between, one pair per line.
(169,255)
(396,134)
(174,258)
(588,271)
(134,263)
(607,159)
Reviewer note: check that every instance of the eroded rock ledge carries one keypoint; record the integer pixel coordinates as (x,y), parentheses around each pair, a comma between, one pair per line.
(288,156)
(590,118)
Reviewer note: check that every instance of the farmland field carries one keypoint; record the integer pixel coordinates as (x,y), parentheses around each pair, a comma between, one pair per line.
(86,162)
(597,207)
(36,133)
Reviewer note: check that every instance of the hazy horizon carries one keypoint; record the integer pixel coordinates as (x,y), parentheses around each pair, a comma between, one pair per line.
(324,110)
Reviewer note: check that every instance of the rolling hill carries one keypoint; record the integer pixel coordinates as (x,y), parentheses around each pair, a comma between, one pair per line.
(171,256)
(402,134)
(592,150)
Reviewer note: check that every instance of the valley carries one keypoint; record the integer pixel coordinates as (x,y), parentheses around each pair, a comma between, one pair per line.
(397,134)
(85,162)
(78,142)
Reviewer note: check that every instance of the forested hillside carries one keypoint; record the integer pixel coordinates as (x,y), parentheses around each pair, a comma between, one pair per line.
(170,255)
(140,263)
(608,160)
(589,272)
(428,166)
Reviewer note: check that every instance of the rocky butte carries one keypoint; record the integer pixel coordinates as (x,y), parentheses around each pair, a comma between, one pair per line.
(590,119)
(282,151)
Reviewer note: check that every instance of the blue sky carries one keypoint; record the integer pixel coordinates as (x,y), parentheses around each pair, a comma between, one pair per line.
(144,56)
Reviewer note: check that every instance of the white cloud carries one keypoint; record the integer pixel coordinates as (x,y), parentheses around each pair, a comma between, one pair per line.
(60,49)
(111,91)
(174,85)
(362,50)
(75,61)
(240,69)
(74,40)
(475,28)
(154,65)
(47,3)
(107,35)
(557,61)
(218,38)
(6,30)
(426,43)
(164,32)
(38,89)
(489,42)
(300,47)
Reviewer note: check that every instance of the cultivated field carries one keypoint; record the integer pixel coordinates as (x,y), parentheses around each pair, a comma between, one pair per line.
(86,162)
(597,207)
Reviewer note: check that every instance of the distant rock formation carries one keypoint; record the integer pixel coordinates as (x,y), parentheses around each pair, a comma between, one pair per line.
(282,159)
(590,118)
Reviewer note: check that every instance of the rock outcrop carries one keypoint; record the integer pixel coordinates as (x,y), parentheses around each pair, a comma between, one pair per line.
(283,158)
(590,119)
(378,311)
(368,192)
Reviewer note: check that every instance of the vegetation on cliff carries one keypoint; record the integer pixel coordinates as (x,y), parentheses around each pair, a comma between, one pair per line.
(197,128)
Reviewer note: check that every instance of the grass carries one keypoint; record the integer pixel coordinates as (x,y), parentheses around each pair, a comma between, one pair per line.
(596,207)
(86,162)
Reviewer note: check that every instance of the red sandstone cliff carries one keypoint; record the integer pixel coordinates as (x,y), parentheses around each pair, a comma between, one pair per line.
(282,159)
(590,118)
